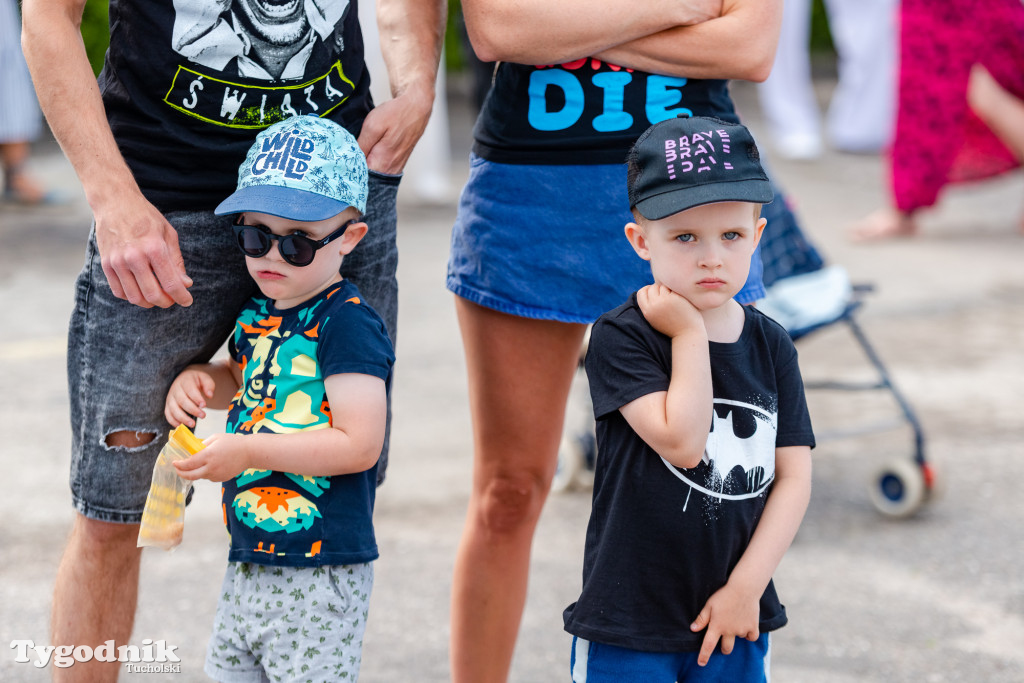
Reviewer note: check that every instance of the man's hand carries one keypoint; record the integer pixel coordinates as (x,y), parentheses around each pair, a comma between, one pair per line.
(393,128)
(224,456)
(140,256)
(666,311)
(731,612)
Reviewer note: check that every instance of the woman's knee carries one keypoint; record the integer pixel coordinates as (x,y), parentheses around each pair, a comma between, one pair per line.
(508,503)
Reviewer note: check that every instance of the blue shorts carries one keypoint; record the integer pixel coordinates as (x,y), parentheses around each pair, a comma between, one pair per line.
(123,358)
(547,242)
(749,662)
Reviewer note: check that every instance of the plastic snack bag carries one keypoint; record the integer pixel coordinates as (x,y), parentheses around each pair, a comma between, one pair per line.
(163,519)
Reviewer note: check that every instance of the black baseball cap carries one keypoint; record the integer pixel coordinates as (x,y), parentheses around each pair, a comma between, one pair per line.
(685,162)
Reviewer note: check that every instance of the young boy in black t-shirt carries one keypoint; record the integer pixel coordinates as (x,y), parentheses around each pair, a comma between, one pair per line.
(703,467)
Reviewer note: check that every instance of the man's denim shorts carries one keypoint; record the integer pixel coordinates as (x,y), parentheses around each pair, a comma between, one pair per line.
(547,242)
(123,358)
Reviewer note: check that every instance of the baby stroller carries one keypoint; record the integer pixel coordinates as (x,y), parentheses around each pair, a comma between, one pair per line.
(805,296)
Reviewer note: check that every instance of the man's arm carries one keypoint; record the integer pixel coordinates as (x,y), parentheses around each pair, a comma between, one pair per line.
(351,444)
(733,611)
(411,35)
(138,247)
(739,44)
(545,32)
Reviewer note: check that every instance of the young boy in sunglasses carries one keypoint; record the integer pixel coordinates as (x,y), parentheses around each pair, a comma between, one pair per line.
(305,390)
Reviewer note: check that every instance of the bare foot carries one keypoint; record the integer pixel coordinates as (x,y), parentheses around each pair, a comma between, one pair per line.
(883,224)
(23,189)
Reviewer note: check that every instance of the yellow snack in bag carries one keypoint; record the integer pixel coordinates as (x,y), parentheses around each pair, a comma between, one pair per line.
(163,519)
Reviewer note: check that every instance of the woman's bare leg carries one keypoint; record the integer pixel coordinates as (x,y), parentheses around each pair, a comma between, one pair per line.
(1001,111)
(520,372)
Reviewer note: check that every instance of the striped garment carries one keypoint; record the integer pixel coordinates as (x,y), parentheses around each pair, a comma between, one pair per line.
(19,111)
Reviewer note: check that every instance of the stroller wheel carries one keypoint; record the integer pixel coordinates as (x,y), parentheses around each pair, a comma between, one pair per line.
(899,489)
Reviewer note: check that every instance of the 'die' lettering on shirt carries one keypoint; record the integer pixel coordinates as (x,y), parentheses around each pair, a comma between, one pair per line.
(585,112)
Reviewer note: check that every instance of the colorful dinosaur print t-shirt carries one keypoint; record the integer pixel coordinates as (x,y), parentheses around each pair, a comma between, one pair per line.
(279,518)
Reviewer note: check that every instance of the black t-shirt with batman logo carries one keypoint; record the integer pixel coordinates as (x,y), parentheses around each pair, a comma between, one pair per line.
(662,539)
(188,84)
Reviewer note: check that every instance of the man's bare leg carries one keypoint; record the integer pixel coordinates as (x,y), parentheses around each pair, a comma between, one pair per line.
(97,587)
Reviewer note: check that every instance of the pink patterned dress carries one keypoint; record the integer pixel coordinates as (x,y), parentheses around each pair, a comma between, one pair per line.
(938,139)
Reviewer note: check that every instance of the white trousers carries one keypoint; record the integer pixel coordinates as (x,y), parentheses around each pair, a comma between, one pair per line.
(861,114)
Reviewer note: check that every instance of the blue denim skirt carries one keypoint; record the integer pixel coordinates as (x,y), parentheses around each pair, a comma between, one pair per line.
(548,242)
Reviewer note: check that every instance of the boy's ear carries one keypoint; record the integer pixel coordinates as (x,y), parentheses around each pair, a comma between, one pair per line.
(638,240)
(350,239)
(759,230)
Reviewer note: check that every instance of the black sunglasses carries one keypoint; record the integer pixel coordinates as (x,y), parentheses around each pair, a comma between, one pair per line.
(298,250)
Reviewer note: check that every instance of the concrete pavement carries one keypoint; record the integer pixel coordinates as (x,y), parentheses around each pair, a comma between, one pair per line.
(938,597)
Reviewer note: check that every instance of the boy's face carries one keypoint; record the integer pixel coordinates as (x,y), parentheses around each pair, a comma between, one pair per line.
(702,254)
(290,285)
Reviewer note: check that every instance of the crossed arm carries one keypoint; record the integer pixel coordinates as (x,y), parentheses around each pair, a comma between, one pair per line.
(351,444)
(685,38)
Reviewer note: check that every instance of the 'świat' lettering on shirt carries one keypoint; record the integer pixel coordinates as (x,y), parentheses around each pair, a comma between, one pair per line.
(254,106)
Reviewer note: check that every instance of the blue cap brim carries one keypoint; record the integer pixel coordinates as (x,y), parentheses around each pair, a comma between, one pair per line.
(283,202)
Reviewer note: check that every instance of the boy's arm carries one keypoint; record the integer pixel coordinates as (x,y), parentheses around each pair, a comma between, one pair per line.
(738,44)
(201,386)
(675,422)
(351,444)
(138,247)
(544,32)
(733,610)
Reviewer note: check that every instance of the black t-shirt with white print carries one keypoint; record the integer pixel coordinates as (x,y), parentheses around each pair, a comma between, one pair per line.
(662,539)
(188,84)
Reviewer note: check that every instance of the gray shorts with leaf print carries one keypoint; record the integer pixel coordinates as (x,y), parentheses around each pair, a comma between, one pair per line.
(290,623)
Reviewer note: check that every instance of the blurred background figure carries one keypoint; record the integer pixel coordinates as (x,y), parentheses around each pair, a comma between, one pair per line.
(20,120)
(961,105)
(861,111)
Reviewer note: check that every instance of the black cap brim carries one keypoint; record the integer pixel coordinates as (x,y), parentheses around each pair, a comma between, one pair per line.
(755,191)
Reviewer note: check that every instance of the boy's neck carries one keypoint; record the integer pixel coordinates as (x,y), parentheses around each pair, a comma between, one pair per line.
(288,304)
(724,324)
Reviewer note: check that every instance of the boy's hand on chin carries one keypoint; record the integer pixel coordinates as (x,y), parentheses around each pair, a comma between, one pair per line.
(668,312)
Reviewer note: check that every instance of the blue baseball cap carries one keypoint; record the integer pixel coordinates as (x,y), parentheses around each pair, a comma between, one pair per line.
(304,168)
